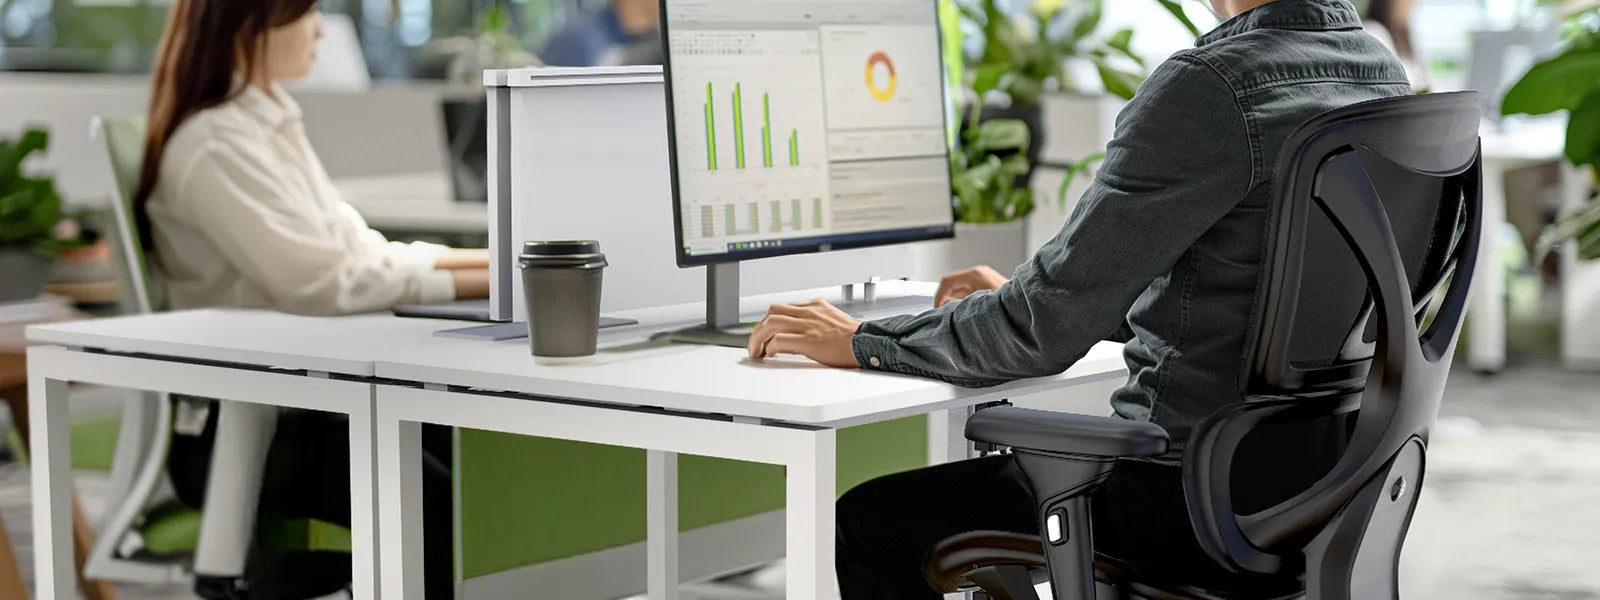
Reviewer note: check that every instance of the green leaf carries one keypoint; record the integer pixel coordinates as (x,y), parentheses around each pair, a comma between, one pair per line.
(1583,225)
(1090,20)
(33,140)
(1176,8)
(1560,83)
(988,79)
(1122,42)
(1119,83)
(1583,132)
(1073,172)
(1002,135)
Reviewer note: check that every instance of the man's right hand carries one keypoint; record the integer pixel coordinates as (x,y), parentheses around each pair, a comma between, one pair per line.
(957,286)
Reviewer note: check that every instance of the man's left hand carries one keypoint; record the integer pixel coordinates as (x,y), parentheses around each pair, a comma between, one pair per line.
(816,330)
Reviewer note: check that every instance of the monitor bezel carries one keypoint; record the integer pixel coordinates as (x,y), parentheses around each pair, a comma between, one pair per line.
(854,241)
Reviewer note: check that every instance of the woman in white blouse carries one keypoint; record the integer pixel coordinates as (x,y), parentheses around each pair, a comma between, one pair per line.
(236,211)
(235,204)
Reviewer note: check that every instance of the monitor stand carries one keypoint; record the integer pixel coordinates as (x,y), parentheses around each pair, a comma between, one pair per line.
(722,326)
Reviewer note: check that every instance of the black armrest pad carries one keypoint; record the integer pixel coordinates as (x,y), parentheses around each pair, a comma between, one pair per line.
(1065,433)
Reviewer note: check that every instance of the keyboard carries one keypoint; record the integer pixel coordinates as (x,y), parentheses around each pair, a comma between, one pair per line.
(886,307)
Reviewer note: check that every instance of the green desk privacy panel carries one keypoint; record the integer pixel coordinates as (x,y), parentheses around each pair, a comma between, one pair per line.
(527,501)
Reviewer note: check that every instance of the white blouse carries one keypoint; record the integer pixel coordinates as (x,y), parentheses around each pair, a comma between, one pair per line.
(244,215)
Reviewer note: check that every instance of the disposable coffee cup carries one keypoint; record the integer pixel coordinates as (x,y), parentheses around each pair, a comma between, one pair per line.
(561,284)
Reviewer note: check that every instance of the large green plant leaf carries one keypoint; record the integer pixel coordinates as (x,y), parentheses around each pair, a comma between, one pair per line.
(1583,132)
(1561,83)
(1176,8)
(1001,135)
(1118,82)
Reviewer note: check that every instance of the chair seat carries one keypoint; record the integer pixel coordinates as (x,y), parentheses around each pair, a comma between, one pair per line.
(952,560)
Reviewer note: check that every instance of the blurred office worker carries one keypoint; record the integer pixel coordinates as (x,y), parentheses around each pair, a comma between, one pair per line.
(1166,247)
(233,200)
(624,33)
(237,211)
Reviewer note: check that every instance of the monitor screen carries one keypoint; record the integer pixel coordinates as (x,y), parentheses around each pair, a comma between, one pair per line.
(805,126)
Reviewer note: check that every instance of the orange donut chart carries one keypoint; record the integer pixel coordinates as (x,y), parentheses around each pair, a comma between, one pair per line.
(881,94)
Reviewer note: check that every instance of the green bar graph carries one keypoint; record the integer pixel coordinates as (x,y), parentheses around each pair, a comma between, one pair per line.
(816,213)
(794,147)
(711,133)
(738,124)
(766,131)
(777,216)
(795,208)
(733,225)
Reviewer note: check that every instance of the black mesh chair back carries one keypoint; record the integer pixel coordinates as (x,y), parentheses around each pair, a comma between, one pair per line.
(1307,486)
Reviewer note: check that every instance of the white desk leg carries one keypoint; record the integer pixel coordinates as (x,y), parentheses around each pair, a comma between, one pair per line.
(400,508)
(661,500)
(947,436)
(51,457)
(1486,344)
(363,507)
(810,519)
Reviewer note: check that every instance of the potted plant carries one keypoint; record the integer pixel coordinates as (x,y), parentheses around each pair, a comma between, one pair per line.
(989,206)
(492,45)
(30,220)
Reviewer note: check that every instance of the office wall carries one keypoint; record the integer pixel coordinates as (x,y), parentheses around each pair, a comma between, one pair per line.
(389,129)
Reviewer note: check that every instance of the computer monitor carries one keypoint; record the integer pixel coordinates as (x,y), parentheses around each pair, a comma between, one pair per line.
(805,126)
(466,128)
(802,126)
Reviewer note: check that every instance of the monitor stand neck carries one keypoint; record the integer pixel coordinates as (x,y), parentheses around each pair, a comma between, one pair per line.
(722,326)
(722,296)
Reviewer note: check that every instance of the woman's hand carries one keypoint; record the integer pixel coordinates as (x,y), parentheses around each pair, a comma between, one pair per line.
(471,284)
(816,330)
(957,286)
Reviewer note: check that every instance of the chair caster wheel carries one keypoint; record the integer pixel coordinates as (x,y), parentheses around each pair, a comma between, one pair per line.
(220,588)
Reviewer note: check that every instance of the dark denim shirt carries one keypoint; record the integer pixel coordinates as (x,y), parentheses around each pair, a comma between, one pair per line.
(1169,239)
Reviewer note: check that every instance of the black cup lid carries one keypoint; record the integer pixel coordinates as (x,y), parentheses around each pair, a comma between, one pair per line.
(562,254)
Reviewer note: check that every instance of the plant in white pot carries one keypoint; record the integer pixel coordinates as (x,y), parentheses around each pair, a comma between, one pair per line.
(31,220)
(989,207)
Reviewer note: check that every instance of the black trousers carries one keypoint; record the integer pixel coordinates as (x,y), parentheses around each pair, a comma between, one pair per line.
(308,477)
(887,526)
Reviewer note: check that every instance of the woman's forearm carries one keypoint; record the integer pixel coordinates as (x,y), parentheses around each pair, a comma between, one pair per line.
(462,259)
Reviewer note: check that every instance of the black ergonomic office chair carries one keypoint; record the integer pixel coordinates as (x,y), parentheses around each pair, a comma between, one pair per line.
(1378,209)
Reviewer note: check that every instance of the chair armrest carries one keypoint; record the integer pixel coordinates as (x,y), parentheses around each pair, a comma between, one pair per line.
(1065,433)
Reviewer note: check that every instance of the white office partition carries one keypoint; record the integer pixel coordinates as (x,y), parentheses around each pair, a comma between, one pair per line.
(588,159)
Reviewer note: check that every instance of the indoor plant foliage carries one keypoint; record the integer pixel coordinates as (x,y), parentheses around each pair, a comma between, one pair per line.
(1028,53)
(984,170)
(31,220)
(1570,81)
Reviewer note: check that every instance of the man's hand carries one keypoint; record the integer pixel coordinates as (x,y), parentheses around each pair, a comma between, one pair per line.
(815,330)
(966,283)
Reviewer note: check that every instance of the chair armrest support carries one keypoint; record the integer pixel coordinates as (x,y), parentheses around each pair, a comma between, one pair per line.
(1065,433)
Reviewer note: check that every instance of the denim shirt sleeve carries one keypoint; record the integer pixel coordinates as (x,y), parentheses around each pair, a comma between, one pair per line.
(1180,159)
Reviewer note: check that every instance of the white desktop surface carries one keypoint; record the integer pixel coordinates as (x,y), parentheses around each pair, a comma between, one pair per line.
(413,202)
(677,377)
(708,379)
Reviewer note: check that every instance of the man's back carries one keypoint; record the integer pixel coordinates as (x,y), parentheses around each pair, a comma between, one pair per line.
(1171,235)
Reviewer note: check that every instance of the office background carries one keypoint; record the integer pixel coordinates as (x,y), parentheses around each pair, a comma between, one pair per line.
(1490,528)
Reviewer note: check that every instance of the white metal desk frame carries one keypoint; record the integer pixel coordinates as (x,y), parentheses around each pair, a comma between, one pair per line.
(1518,147)
(806,450)
(52,368)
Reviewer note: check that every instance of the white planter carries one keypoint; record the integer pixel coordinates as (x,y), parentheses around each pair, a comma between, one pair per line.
(1000,246)
(1076,126)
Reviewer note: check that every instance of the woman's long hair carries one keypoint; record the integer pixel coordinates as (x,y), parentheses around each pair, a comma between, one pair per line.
(207,42)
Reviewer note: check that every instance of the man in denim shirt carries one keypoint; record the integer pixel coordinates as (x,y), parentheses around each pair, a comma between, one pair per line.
(1167,244)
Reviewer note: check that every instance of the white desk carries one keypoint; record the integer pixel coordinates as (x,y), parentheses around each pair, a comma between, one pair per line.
(236,356)
(665,399)
(1518,146)
(417,203)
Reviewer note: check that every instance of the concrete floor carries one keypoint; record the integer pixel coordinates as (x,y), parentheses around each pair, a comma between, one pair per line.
(1509,508)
